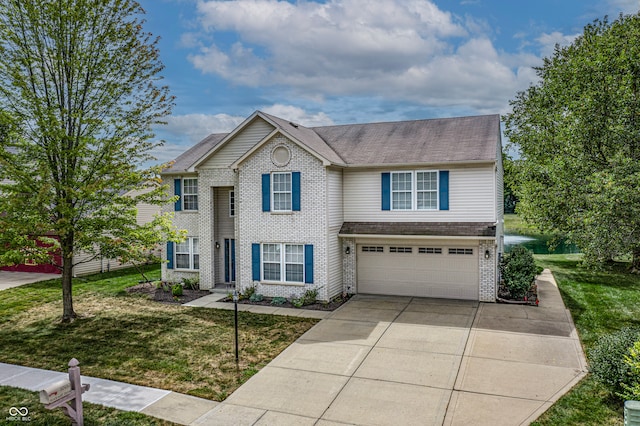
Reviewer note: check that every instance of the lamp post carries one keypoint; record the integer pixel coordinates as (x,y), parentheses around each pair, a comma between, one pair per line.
(235,304)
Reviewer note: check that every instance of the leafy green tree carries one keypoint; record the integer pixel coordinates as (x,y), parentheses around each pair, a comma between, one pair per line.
(80,90)
(510,183)
(578,133)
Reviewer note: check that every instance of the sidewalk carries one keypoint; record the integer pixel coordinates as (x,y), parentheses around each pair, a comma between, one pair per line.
(383,360)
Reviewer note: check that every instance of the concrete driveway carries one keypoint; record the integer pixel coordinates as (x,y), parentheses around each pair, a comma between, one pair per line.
(412,361)
(15,279)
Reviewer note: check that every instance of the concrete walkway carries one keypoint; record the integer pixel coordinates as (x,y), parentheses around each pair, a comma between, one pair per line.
(15,279)
(382,360)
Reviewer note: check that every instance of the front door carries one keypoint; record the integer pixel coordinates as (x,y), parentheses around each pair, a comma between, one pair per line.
(229,260)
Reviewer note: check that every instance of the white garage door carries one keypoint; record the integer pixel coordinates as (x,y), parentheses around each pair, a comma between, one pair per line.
(441,271)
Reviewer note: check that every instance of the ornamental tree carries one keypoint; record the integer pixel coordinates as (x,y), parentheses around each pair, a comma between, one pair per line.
(578,134)
(80,89)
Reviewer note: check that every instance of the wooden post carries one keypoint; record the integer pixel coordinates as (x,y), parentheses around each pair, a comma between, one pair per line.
(74,409)
(76,402)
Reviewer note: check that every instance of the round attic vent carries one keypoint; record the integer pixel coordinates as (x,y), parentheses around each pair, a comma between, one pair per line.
(280,155)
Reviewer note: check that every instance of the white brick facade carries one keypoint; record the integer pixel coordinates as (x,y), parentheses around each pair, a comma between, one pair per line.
(487,271)
(307,226)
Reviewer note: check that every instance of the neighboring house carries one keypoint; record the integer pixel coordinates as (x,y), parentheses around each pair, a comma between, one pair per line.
(410,208)
(90,264)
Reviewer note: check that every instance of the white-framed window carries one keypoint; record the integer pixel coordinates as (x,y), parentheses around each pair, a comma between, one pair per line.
(190,194)
(401,190)
(232,203)
(188,254)
(427,190)
(414,190)
(281,191)
(283,262)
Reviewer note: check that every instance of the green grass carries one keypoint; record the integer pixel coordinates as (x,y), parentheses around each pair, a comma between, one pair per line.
(94,415)
(600,301)
(132,339)
(513,224)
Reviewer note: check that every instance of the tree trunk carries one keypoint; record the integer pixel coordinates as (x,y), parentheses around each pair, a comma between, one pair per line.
(68,314)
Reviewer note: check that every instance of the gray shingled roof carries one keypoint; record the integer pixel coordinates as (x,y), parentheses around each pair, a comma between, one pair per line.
(441,140)
(193,154)
(431,141)
(433,229)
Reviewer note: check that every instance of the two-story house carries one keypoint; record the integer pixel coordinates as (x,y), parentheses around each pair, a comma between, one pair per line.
(411,208)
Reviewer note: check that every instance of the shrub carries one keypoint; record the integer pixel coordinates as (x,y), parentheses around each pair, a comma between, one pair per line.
(256,297)
(278,301)
(309,297)
(248,292)
(297,302)
(191,283)
(632,390)
(607,358)
(176,290)
(518,270)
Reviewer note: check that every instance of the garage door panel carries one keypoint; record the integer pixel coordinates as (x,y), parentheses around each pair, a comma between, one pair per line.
(439,275)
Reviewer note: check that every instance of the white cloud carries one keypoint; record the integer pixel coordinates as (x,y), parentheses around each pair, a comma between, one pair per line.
(624,6)
(407,50)
(298,115)
(196,127)
(548,41)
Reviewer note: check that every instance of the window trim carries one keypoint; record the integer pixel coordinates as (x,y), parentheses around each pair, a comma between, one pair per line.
(414,189)
(191,253)
(283,263)
(273,192)
(190,194)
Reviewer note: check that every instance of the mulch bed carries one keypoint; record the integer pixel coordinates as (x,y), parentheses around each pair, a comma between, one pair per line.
(531,298)
(163,296)
(318,306)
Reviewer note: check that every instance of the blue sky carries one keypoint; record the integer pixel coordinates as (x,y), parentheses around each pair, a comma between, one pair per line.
(353,61)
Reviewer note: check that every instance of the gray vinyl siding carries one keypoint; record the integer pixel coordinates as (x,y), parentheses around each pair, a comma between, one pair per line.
(241,143)
(471,197)
(335,219)
(499,200)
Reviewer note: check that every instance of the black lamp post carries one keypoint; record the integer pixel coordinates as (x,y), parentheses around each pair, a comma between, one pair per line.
(235,304)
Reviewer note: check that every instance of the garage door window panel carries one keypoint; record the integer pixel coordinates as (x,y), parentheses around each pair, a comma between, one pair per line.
(461,251)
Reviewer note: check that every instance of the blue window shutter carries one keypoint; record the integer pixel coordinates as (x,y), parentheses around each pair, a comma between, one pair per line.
(308,264)
(233,260)
(444,190)
(177,190)
(386,191)
(170,255)
(295,191)
(226,260)
(255,261)
(266,192)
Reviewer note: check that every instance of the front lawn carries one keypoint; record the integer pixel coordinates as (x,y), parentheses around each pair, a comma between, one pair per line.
(600,302)
(131,339)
